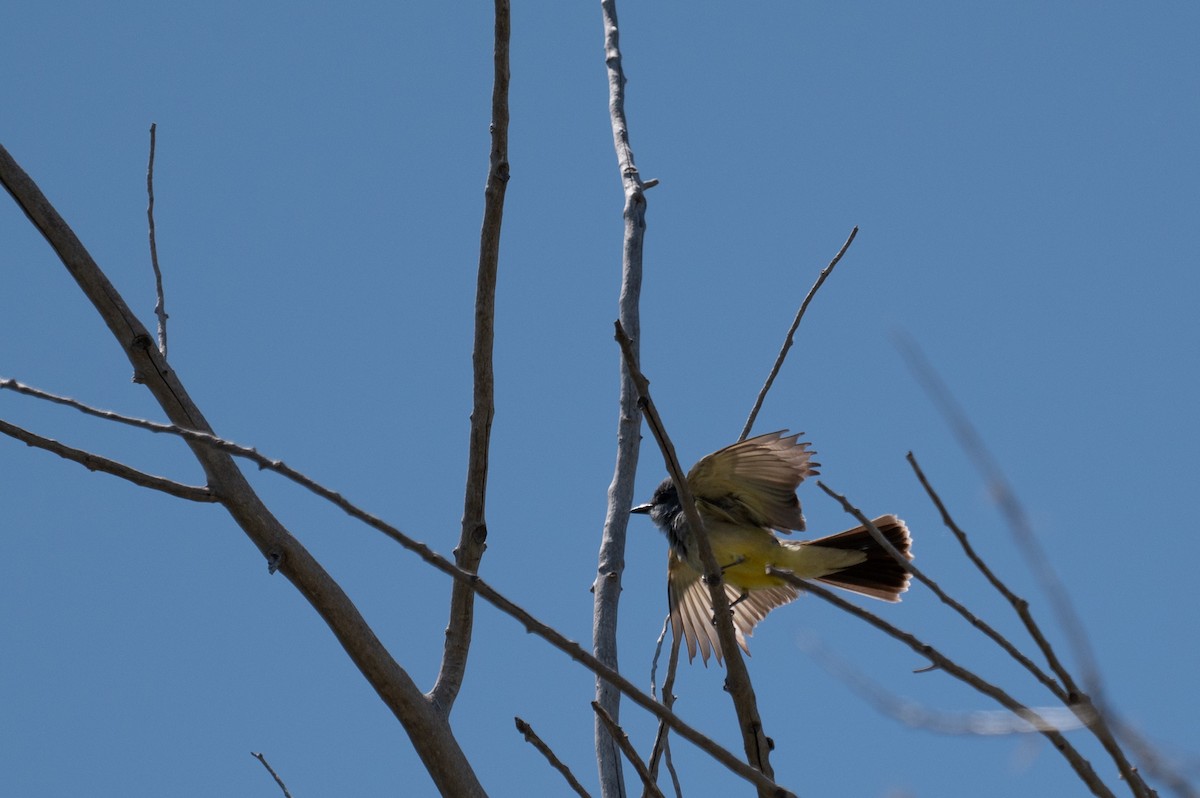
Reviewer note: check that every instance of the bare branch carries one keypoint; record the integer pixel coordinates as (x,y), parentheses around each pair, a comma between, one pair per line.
(980,624)
(1018,521)
(204,440)
(754,739)
(270,769)
(531,737)
(1060,743)
(662,742)
(622,740)
(473,539)
(94,462)
(787,341)
(611,557)
(430,734)
(914,715)
(160,308)
(1088,709)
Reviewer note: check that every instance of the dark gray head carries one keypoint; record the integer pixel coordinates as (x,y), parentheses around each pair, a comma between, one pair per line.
(666,511)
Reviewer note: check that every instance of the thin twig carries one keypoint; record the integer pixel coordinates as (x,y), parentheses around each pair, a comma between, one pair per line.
(755,741)
(473,537)
(95,462)
(610,564)
(271,770)
(622,740)
(662,742)
(983,626)
(999,487)
(532,738)
(1076,698)
(160,308)
(1060,743)
(787,341)
(486,591)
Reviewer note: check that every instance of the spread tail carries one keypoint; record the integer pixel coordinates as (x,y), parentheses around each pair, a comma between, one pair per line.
(879,575)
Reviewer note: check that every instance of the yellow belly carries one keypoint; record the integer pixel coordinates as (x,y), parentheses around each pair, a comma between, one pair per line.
(746,552)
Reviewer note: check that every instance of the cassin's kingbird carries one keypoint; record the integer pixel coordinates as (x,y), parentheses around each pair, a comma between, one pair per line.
(742,493)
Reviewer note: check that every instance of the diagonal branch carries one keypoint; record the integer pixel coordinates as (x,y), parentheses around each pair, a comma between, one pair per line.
(473,539)
(94,462)
(481,588)
(428,731)
(754,740)
(1060,743)
(532,738)
(788,339)
(1100,723)
(622,740)
(983,626)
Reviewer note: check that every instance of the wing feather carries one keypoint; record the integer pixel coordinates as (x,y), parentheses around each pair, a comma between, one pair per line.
(754,482)
(692,614)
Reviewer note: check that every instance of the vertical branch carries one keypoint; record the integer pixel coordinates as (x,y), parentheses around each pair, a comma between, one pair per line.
(160,309)
(473,540)
(607,587)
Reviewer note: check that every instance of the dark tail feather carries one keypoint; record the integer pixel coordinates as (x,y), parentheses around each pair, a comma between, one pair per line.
(879,576)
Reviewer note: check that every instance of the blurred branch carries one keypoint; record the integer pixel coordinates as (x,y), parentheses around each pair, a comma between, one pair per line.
(204,440)
(1089,711)
(790,337)
(611,557)
(274,775)
(622,740)
(914,715)
(160,308)
(1014,513)
(94,462)
(755,741)
(473,539)
(532,738)
(1060,743)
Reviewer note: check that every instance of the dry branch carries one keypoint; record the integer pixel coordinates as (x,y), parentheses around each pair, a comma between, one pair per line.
(473,539)
(754,740)
(611,557)
(484,590)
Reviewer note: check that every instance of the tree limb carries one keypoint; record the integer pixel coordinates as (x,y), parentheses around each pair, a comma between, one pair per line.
(484,590)
(473,539)
(431,736)
(94,462)
(1060,743)
(532,738)
(622,740)
(755,741)
(611,558)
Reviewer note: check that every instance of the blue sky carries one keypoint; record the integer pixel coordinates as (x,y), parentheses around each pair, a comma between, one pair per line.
(1025,178)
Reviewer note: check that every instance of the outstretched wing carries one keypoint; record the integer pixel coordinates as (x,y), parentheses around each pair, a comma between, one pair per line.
(692,613)
(753,483)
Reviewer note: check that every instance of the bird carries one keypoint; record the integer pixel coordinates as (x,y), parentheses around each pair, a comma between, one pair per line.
(744,494)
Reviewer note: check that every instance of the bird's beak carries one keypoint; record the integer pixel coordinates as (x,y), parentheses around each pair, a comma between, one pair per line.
(641,509)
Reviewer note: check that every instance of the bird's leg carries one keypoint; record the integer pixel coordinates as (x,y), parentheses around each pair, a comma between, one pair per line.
(727,566)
